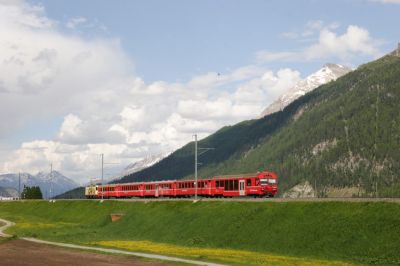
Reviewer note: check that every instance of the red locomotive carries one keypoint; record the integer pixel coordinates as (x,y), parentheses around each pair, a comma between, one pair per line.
(263,184)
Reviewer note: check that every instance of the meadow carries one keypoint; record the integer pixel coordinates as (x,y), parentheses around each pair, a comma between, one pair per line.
(235,233)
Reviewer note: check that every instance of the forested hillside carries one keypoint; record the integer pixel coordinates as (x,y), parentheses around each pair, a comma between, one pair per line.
(343,134)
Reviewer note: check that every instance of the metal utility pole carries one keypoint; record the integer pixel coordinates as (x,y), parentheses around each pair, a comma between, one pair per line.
(19,185)
(102,174)
(51,180)
(315,188)
(195,166)
(196,163)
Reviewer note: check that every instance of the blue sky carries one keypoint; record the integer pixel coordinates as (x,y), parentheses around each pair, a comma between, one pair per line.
(175,40)
(132,79)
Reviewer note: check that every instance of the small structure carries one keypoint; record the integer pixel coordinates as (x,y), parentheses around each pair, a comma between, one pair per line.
(116,216)
(8,198)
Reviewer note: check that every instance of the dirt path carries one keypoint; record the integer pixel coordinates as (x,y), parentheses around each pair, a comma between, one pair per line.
(4,224)
(25,253)
(117,251)
(52,254)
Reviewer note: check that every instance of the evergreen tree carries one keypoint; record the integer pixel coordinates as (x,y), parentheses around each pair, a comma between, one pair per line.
(32,192)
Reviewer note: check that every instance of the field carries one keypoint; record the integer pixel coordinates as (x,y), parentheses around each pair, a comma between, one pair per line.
(239,233)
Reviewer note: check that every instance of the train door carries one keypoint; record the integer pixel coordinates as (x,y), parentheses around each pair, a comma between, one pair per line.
(156,194)
(241,188)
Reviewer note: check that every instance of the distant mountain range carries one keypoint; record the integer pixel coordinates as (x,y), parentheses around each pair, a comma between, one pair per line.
(8,192)
(327,73)
(50,185)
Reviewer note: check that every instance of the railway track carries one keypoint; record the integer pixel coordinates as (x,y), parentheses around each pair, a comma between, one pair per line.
(241,199)
(251,199)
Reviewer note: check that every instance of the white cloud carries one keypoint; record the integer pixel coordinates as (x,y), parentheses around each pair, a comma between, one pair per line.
(74,22)
(46,74)
(355,41)
(387,1)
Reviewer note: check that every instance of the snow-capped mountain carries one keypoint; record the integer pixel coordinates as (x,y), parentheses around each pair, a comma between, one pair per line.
(50,185)
(142,164)
(327,73)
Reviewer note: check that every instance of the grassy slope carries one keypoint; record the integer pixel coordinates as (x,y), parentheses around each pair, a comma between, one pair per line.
(356,232)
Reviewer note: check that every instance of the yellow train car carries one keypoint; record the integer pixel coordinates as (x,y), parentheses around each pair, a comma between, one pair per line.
(91,191)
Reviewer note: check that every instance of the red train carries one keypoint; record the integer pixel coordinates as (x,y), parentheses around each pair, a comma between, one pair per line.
(263,184)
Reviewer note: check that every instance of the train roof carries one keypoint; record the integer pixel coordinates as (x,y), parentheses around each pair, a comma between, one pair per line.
(189,180)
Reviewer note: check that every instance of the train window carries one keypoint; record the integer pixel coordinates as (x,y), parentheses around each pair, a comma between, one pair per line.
(248,181)
(236,185)
(230,184)
(226,184)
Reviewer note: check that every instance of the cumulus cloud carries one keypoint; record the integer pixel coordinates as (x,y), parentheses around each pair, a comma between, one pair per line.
(105,108)
(355,41)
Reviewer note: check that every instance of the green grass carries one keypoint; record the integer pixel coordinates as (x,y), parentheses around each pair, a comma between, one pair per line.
(360,233)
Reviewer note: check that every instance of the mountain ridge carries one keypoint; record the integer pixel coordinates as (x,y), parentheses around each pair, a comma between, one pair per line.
(50,185)
(329,72)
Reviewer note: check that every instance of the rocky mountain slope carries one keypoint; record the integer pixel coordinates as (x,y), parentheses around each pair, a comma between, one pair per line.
(142,164)
(7,192)
(50,185)
(327,73)
(345,133)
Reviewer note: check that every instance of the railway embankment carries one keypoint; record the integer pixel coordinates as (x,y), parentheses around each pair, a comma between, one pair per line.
(239,233)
